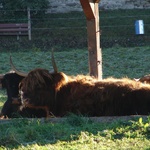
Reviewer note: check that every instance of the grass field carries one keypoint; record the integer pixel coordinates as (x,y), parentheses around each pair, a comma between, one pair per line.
(77,132)
(117,61)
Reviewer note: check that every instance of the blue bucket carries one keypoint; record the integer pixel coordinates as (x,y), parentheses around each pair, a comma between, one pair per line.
(139,27)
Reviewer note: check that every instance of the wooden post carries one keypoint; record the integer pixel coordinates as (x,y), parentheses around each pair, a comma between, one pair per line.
(91,10)
(29,23)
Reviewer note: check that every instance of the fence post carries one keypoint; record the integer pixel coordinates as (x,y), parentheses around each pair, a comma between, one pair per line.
(29,23)
(91,10)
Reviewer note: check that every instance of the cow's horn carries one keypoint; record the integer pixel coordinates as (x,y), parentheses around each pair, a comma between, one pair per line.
(53,62)
(17,71)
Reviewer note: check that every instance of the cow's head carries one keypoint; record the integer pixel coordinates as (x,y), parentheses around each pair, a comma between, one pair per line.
(40,86)
(10,82)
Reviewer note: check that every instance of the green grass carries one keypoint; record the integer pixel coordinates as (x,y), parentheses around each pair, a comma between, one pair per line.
(126,62)
(72,61)
(3,97)
(117,61)
(77,132)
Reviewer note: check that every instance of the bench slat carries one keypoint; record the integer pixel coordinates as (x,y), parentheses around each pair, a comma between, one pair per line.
(14,30)
(22,33)
(25,25)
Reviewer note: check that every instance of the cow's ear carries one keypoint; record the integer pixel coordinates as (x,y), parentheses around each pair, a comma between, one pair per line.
(60,79)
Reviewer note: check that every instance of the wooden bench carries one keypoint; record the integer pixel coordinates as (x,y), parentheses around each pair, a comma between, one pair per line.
(18,29)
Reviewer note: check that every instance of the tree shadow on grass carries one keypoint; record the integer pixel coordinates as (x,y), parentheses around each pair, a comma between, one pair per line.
(24,132)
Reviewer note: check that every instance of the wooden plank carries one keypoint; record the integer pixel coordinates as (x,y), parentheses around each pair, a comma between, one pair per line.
(91,10)
(95,58)
(87,9)
(13,33)
(98,49)
(25,25)
(14,30)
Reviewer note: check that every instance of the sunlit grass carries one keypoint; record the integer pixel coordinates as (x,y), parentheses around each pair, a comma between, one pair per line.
(69,61)
(2,97)
(77,133)
(84,134)
(117,61)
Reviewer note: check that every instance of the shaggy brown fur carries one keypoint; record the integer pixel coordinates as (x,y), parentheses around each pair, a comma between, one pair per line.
(40,86)
(85,95)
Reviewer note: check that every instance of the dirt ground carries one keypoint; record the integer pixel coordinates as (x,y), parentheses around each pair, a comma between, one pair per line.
(95,119)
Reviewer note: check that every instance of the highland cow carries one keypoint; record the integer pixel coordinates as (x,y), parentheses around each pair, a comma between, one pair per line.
(84,95)
(10,81)
(55,93)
